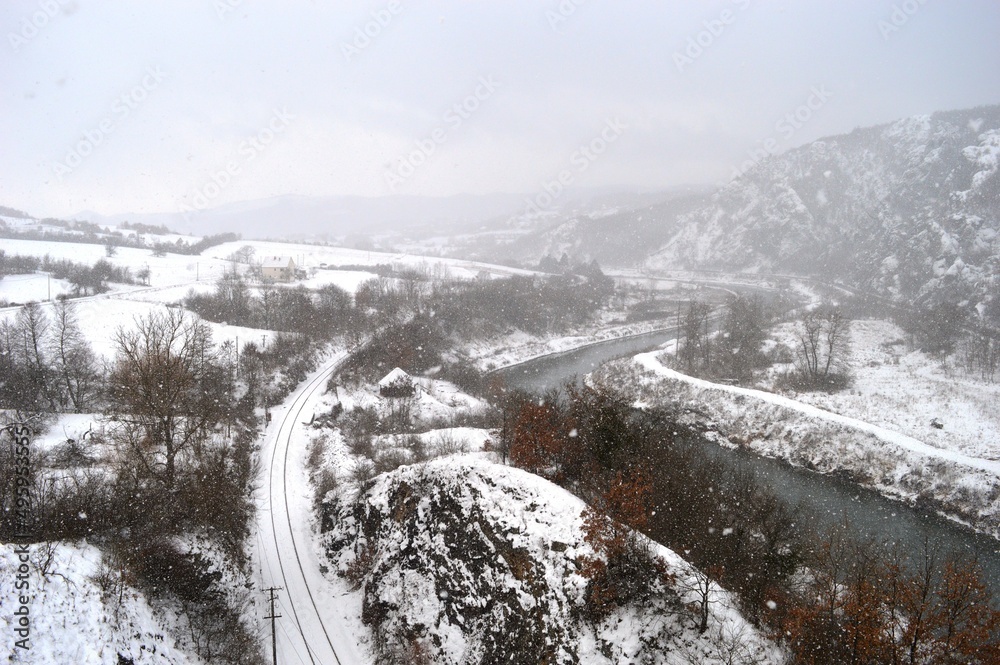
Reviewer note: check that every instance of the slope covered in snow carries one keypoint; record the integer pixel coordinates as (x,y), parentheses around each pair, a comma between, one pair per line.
(461,560)
(910,209)
(79,612)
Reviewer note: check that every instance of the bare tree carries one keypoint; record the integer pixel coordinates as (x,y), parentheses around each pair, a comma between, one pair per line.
(823,338)
(743,334)
(27,384)
(72,359)
(704,587)
(160,391)
(695,353)
(244,254)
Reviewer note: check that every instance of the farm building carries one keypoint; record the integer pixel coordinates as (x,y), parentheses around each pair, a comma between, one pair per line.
(277,268)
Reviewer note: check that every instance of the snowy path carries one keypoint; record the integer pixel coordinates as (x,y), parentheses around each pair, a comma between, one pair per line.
(314,626)
(650,362)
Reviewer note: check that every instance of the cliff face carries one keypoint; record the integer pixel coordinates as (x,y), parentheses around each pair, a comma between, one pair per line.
(910,209)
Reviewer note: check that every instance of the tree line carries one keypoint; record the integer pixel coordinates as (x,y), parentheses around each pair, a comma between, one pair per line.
(410,321)
(727,345)
(89,233)
(945,328)
(85,279)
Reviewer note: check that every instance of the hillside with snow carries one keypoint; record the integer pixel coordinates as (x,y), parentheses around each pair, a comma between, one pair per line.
(461,560)
(80,612)
(910,209)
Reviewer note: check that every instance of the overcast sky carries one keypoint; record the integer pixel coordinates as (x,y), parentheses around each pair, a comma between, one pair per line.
(127,106)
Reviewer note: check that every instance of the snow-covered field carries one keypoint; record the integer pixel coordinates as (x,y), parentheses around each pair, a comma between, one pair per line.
(905,390)
(312,256)
(174,275)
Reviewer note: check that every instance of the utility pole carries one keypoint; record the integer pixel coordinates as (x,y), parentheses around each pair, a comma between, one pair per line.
(272,617)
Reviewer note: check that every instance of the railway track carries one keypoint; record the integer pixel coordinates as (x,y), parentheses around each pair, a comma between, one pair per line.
(288,559)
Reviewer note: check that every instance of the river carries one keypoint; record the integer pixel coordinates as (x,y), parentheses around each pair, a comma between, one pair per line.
(826,501)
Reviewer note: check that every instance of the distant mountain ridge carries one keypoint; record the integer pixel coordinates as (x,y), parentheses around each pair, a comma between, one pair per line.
(615,231)
(909,209)
(292,216)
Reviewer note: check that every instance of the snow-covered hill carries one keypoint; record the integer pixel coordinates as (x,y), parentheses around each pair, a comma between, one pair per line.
(461,560)
(910,209)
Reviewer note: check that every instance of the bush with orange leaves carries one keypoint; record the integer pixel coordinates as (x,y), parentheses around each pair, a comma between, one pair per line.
(623,568)
(541,437)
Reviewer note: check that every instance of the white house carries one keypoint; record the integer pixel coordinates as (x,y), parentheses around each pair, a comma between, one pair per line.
(277,268)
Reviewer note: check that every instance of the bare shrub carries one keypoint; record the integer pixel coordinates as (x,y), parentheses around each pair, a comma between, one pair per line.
(390,460)
(325,482)
(446,443)
(362,446)
(363,471)
(487,417)
(359,567)
(359,426)
(415,445)
(44,556)
(317,453)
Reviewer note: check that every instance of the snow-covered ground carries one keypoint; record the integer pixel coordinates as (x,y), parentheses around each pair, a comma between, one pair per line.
(37,287)
(72,620)
(319,623)
(70,623)
(903,391)
(313,256)
(169,270)
(174,275)
(100,317)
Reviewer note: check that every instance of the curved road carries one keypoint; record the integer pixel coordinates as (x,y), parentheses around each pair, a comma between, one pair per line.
(313,627)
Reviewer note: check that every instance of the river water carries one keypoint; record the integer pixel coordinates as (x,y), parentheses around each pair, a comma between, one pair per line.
(826,501)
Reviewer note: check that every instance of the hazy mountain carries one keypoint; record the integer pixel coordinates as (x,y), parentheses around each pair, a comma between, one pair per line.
(910,208)
(330,216)
(617,230)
